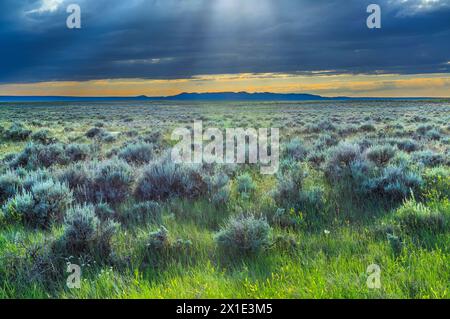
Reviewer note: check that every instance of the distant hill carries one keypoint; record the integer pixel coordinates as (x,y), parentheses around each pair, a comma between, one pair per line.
(222,96)
(244,96)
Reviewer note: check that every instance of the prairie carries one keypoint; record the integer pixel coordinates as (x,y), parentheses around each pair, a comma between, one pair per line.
(360,183)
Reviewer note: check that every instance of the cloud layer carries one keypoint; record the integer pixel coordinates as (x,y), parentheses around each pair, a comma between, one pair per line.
(170,39)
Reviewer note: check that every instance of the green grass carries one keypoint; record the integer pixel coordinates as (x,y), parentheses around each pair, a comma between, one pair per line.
(326,266)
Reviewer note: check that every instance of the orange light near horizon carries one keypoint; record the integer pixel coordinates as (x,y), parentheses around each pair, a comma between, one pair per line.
(387,85)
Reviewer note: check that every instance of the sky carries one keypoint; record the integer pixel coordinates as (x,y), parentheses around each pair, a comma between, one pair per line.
(165,47)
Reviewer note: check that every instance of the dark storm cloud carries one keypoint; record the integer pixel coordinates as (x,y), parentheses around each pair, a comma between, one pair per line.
(182,38)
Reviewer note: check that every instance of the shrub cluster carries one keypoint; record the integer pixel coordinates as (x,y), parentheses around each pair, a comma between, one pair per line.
(153,138)
(381,154)
(434,135)
(164,180)
(85,234)
(100,134)
(109,181)
(158,240)
(140,153)
(108,137)
(43,137)
(429,158)
(414,217)
(112,181)
(289,186)
(10,184)
(104,212)
(17,132)
(244,234)
(295,150)
(94,132)
(35,156)
(29,179)
(245,184)
(325,141)
(408,145)
(79,177)
(347,169)
(316,158)
(320,127)
(218,189)
(395,183)
(423,129)
(368,127)
(44,204)
(77,152)
(345,164)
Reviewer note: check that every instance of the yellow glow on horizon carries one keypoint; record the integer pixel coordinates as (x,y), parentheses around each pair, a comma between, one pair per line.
(387,85)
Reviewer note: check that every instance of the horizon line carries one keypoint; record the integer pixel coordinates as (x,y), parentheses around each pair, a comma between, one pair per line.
(217,93)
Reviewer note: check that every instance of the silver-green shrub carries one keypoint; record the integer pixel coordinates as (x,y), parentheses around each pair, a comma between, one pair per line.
(244,234)
(43,205)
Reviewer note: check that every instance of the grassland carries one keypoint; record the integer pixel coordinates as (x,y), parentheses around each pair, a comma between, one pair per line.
(360,183)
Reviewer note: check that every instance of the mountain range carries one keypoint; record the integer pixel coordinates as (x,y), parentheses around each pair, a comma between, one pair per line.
(221,96)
